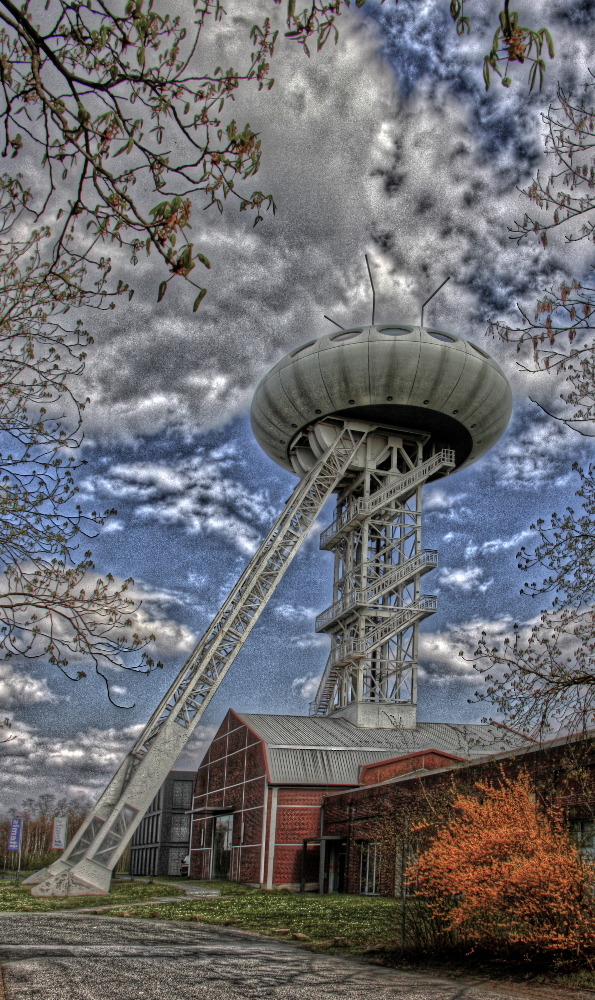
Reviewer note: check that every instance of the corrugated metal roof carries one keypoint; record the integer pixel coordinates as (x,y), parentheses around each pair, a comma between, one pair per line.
(318,767)
(301,749)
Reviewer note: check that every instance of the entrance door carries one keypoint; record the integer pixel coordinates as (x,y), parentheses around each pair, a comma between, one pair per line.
(222,840)
(336,865)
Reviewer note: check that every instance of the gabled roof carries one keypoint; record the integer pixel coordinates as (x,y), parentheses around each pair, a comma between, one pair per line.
(326,751)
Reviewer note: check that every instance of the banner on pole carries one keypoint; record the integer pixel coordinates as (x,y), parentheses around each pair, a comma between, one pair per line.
(60,833)
(15,834)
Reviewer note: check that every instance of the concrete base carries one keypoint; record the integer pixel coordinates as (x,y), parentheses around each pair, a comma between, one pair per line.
(378,715)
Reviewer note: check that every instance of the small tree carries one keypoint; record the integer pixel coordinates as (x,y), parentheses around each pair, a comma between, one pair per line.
(505,876)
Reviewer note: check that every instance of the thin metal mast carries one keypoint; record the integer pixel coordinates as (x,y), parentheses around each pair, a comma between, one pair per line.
(379,562)
(87,864)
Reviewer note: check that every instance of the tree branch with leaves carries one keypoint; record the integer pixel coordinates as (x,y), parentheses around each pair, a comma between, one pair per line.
(544,682)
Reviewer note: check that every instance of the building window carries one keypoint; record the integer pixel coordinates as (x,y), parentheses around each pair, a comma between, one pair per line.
(175,857)
(369,867)
(180,828)
(182,795)
(583,835)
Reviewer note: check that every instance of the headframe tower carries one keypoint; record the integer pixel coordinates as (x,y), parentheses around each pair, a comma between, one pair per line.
(371,414)
(429,402)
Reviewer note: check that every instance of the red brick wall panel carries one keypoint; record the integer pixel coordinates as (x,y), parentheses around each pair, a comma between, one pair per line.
(254,792)
(217,774)
(236,739)
(216,798)
(293,824)
(384,769)
(232,798)
(250,865)
(255,762)
(202,780)
(235,768)
(301,796)
(252,820)
(287,868)
(218,748)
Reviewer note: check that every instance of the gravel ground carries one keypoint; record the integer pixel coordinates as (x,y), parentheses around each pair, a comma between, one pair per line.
(60,956)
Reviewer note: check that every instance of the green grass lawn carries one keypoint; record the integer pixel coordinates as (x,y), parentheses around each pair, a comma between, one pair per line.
(17,898)
(323,920)
(361,921)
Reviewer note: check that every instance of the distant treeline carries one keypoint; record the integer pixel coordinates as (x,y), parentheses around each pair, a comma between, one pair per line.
(38,827)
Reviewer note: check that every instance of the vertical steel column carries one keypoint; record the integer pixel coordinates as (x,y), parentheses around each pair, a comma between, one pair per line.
(379,561)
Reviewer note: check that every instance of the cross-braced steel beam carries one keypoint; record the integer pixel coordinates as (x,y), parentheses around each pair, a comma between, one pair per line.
(87,864)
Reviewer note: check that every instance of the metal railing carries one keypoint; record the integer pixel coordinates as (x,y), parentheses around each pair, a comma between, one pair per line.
(319,705)
(424,561)
(359,648)
(364,506)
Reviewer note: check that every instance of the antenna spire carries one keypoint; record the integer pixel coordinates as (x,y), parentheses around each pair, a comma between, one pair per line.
(373,292)
(431,297)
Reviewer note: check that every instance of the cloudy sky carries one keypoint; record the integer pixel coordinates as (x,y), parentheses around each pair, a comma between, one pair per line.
(385,144)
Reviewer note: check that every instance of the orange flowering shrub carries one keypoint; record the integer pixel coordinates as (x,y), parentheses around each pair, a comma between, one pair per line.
(505,876)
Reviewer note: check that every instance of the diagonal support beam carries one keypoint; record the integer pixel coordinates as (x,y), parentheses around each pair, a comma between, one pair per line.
(87,864)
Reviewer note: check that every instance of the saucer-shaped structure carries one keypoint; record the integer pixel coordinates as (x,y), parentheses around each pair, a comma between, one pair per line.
(406,377)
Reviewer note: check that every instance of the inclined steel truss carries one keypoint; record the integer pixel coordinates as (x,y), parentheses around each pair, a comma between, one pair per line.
(376,540)
(87,863)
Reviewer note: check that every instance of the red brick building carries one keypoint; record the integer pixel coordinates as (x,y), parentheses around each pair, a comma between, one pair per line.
(261,785)
(562,771)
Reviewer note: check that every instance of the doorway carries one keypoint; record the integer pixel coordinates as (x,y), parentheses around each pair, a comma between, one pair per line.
(336,853)
(222,842)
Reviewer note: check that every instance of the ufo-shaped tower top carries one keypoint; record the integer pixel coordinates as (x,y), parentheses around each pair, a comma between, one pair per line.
(407,377)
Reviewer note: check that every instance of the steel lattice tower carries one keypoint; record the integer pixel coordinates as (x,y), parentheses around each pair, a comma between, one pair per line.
(371,673)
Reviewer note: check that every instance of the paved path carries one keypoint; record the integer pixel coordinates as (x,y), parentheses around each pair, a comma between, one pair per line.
(58,956)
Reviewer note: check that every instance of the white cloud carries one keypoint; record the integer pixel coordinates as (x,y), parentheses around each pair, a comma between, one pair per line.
(78,765)
(310,640)
(469,578)
(17,687)
(500,544)
(353,168)
(306,687)
(291,613)
(437,499)
(535,451)
(113,525)
(439,660)
(193,492)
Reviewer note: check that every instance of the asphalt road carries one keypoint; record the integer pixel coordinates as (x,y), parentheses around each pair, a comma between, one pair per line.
(57,956)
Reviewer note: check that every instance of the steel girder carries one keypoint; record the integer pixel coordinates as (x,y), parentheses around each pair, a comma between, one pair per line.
(87,863)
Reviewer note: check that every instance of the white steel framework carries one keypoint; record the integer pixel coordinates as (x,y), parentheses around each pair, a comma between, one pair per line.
(379,562)
(87,864)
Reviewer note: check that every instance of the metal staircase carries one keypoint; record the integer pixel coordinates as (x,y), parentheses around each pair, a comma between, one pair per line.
(398,486)
(354,649)
(421,563)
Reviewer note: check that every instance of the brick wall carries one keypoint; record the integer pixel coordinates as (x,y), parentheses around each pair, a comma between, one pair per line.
(233,773)
(562,774)
(371,774)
